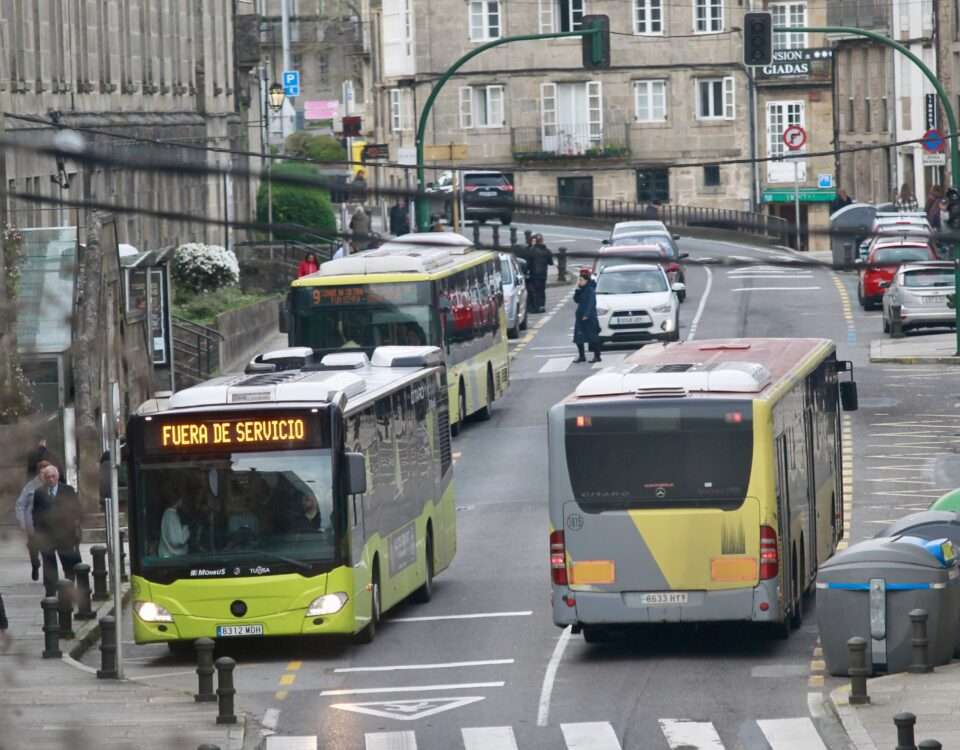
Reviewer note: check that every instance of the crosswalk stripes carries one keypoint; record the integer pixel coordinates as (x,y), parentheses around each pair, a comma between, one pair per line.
(791,734)
(562,364)
(593,735)
(489,738)
(690,734)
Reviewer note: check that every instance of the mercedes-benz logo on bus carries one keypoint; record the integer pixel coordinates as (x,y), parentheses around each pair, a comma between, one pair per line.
(661,493)
(574,522)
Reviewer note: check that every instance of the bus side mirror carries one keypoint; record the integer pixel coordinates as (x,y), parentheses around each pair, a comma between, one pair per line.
(848,395)
(356,473)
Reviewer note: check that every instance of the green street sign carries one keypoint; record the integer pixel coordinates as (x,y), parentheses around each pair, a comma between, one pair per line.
(807,195)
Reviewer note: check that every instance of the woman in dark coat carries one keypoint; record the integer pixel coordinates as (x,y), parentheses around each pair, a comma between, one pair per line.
(586,329)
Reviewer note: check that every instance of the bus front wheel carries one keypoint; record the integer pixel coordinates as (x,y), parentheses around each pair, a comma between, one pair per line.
(369,632)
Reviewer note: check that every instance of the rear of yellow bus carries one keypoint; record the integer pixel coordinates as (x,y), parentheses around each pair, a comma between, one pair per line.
(657,512)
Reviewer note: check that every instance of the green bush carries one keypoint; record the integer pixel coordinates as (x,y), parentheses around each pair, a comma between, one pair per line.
(317,147)
(204,308)
(308,207)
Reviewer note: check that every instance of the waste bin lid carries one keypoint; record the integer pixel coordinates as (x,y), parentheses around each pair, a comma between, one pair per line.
(950,501)
(905,550)
(927,524)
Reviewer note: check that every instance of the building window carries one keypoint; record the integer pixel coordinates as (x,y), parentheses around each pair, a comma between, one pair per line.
(707,16)
(780,116)
(647,16)
(867,115)
(715,99)
(653,185)
(401,114)
(481,107)
(851,114)
(484,20)
(711,175)
(789,14)
(323,69)
(651,100)
(560,15)
(571,117)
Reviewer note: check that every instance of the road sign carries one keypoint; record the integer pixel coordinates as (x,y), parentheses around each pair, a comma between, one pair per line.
(376,152)
(449,152)
(795,137)
(932,141)
(291,82)
(825,181)
(937,159)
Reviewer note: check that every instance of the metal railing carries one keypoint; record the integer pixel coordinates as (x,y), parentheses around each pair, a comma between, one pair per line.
(196,352)
(611,140)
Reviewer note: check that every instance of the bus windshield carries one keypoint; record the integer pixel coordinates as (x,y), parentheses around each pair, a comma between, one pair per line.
(664,454)
(267,508)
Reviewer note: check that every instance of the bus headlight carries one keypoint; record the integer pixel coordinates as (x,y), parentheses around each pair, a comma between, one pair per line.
(329,604)
(150,612)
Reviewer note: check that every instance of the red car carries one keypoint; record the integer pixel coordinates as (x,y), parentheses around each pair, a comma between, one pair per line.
(890,255)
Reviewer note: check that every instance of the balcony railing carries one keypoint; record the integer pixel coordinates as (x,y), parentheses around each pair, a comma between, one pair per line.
(571,142)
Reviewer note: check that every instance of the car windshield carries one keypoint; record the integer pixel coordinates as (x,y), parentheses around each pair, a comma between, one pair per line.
(631,258)
(246,508)
(631,282)
(485,180)
(928,278)
(506,271)
(662,240)
(900,254)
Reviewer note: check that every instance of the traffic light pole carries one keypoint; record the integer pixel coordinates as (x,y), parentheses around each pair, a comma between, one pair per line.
(422,208)
(952,136)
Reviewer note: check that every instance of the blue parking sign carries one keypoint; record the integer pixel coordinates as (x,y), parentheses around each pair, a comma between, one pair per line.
(291,82)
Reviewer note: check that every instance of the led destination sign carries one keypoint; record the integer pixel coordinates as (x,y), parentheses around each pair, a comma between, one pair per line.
(231,433)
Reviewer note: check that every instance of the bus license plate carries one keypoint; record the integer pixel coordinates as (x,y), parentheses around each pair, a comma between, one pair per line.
(226,631)
(663,598)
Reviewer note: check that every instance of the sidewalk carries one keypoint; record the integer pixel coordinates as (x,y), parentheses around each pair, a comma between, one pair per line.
(939,349)
(58,704)
(933,698)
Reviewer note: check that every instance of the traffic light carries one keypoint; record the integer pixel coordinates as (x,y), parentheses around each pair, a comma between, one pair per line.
(953,208)
(596,46)
(351,126)
(757,38)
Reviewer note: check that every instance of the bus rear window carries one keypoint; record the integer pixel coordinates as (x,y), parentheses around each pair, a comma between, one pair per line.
(660,454)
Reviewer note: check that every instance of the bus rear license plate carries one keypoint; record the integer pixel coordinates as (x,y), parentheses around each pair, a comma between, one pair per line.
(663,599)
(227,631)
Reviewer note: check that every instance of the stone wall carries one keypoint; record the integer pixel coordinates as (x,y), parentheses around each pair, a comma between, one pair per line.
(244,330)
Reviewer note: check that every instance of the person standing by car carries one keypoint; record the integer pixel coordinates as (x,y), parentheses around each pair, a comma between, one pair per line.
(586,328)
(540,260)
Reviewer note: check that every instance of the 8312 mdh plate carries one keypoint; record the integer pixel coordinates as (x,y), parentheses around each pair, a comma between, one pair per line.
(230,631)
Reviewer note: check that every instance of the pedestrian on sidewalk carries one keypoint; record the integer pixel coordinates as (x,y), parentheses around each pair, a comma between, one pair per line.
(56,516)
(360,228)
(540,260)
(4,625)
(400,218)
(586,328)
(906,200)
(308,265)
(37,460)
(934,197)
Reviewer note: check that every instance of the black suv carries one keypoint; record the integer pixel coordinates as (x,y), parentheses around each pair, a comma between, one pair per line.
(487,195)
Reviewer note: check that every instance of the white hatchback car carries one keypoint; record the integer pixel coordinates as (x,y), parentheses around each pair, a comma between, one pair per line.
(636,303)
(638,227)
(920,289)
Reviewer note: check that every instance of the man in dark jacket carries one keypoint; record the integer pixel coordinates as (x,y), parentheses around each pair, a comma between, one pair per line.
(56,519)
(540,260)
(586,328)
(399,219)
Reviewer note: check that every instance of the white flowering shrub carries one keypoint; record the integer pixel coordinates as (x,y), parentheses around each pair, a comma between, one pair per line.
(205,268)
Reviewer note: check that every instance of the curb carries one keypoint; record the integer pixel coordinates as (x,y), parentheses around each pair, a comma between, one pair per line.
(847,715)
(89,633)
(917,360)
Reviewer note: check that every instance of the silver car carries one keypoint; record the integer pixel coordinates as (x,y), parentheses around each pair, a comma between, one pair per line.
(920,289)
(514,294)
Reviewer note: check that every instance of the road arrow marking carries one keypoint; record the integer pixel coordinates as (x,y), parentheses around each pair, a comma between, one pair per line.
(408,710)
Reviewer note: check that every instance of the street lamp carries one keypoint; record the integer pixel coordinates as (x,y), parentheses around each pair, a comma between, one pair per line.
(277,97)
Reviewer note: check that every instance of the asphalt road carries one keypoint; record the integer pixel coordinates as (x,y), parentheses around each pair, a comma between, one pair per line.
(483,668)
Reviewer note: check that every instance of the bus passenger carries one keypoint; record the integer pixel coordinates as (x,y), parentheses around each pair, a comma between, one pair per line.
(174,533)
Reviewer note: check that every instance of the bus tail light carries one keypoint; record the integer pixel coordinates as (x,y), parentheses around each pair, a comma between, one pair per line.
(558,559)
(769,557)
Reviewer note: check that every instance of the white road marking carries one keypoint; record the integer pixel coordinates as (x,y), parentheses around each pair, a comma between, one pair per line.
(815,705)
(271,718)
(702,306)
(278,742)
(412,688)
(775,289)
(444,665)
(408,710)
(777,276)
(545,348)
(590,735)
(791,734)
(690,735)
(488,738)
(611,359)
(390,741)
(474,616)
(546,690)
(557,364)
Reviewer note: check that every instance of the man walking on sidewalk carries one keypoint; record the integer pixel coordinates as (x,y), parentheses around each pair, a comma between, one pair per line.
(37,462)
(540,260)
(56,515)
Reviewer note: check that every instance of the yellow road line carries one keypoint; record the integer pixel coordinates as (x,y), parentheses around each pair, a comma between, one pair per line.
(295,665)
(815,681)
(280,695)
(288,679)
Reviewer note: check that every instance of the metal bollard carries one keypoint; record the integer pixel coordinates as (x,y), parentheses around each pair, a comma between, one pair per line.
(50,573)
(929,745)
(84,607)
(496,236)
(123,557)
(896,322)
(562,264)
(205,693)
(513,236)
(51,629)
(225,690)
(905,724)
(65,607)
(920,644)
(108,649)
(99,555)
(476,233)
(858,671)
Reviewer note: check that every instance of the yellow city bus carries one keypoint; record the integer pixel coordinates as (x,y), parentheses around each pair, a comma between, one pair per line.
(419,289)
(697,481)
(306,496)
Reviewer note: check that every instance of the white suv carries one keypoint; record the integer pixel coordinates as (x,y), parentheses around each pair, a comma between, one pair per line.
(636,303)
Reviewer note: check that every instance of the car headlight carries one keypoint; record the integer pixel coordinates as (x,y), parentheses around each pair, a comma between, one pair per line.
(150,612)
(328,604)
(602,311)
(663,308)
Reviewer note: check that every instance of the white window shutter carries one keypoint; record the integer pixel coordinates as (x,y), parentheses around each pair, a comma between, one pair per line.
(495,112)
(466,107)
(546,16)
(729,98)
(548,116)
(595,111)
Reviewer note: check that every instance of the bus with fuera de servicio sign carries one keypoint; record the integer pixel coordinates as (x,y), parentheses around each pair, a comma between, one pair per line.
(697,481)
(305,496)
(432,288)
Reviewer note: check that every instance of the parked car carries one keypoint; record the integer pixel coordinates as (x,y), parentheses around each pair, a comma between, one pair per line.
(637,303)
(666,255)
(514,294)
(889,256)
(920,289)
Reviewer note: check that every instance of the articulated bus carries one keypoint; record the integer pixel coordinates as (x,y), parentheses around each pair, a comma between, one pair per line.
(697,481)
(306,496)
(432,289)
